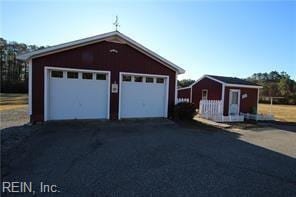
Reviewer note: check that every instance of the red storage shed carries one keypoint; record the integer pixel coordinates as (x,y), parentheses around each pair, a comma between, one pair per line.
(237,95)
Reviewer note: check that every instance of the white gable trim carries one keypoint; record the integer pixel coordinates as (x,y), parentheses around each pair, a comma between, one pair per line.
(184,88)
(96,39)
(242,86)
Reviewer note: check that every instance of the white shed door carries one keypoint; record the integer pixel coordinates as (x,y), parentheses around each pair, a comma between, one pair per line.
(77,95)
(143,96)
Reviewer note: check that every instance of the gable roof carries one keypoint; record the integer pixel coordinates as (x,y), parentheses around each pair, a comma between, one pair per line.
(227,81)
(114,36)
(233,80)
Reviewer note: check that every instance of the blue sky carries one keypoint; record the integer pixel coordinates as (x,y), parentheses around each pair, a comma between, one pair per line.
(228,38)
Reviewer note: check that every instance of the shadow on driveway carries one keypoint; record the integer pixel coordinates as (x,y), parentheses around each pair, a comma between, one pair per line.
(144,158)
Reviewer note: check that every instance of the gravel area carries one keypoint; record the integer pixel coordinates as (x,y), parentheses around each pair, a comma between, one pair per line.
(14,117)
(146,158)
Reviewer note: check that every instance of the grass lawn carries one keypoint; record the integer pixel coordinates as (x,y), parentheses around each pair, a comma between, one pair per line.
(286,113)
(12,101)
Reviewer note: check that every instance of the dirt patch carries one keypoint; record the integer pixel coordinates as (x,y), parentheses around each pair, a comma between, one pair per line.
(14,117)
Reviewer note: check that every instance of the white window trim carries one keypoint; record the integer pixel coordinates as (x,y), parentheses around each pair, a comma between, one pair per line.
(202,94)
(166,82)
(239,99)
(46,79)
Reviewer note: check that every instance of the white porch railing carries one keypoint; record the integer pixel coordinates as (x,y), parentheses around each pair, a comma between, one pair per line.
(211,107)
(182,100)
(213,110)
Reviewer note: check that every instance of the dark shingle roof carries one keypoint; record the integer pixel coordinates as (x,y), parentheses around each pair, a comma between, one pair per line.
(233,80)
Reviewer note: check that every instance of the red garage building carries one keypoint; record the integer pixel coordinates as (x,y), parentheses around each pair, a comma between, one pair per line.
(237,95)
(108,76)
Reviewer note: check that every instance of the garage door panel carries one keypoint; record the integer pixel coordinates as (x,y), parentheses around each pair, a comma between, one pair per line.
(140,99)
(77,98)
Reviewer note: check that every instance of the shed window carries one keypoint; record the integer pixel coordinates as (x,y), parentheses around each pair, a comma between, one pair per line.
(126,78)
(72,75)
(160,80)
(138,79)
(87,76)
(57,74)
(204,94)
(101,77)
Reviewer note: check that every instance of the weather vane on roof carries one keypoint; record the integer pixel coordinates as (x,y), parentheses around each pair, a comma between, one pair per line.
(116,23)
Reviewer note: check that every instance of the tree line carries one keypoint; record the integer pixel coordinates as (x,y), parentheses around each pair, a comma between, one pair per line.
(275,84)
(14,73)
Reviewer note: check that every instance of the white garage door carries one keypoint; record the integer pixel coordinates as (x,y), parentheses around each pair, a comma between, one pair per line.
(77,95)
(143,96)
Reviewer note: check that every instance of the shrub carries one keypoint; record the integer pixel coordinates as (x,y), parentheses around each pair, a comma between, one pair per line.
(184,111)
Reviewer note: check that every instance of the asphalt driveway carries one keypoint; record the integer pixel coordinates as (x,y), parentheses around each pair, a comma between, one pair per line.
(145,158)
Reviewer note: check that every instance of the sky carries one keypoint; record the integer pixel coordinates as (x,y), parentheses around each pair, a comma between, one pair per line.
(229,38)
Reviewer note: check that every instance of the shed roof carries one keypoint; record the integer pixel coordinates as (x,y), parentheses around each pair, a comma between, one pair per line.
(233,80)
(227,81)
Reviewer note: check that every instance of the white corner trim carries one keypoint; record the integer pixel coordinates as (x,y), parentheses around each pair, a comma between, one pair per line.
(176,88)
(30,88)
(257,100)
(223,97)
(148,75)
(46,103)
(46,79)
(167,97)
(191,95)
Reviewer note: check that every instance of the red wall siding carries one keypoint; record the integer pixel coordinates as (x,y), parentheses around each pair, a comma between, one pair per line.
(184,93)
(214,90)
(97,57)
(246,104)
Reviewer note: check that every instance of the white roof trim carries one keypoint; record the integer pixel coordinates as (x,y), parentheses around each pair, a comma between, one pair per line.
(242,86)
(223,83)
(99,38)
(184,88)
